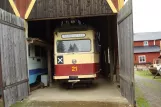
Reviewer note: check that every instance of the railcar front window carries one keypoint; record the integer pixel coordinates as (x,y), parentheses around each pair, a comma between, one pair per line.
(68,46)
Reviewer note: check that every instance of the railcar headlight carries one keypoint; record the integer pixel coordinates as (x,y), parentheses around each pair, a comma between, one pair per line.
(74,61)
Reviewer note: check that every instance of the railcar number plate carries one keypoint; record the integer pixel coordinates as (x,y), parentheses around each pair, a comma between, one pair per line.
(74,68)
(73,77)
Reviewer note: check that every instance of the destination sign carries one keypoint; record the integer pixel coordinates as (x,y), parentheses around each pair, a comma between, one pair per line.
(73,35)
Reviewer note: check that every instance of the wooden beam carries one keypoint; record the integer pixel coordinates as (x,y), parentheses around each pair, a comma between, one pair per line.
(38,42)
(27,56)
(120,4)
(29,9)
(111,51)
(112,6)
(15,84)
(11,25)
(14,8)
(1,74)
(49,68)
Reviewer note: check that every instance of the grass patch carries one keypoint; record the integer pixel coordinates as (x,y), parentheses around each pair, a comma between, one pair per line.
(147,74)
(1,104)
(144,74)
(140,100)
(20,104)
(158,79)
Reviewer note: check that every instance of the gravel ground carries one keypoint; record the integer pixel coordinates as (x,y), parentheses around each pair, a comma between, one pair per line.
(151,90)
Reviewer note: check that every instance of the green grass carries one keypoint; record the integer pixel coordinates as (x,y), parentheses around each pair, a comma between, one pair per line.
(140,100)
(147,74)
(1,104)
(20,104)
(144,74)
(158,79)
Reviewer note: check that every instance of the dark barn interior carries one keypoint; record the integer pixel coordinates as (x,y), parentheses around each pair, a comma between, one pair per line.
(105,25)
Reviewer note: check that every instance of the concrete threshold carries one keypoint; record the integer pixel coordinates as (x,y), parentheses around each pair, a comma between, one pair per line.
(100,94)
(76,104)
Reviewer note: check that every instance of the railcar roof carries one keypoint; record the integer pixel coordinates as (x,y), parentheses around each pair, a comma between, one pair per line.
(68,28)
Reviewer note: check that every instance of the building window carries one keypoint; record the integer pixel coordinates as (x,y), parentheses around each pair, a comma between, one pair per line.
(146,43)
(142,59)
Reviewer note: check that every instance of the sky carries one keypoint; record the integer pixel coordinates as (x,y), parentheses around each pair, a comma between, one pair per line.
(147,15)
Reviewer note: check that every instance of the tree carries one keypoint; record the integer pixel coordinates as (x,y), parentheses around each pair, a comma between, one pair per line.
(60,46)
(70,48)
(75,48)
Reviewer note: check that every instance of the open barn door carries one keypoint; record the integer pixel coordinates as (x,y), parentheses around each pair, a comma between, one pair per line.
(125,46)
(13,58)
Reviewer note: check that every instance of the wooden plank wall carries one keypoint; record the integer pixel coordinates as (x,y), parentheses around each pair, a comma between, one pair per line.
(13,58)
(125,43)
(69,8)
(5,5)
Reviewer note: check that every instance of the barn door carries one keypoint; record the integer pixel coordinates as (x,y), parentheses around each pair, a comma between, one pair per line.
(13,58)
(125,45)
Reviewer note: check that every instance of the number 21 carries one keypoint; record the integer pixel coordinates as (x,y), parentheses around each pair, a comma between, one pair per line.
(74,68)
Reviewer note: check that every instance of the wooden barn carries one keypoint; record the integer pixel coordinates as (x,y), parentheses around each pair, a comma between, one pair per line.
(21,20)
(146,47)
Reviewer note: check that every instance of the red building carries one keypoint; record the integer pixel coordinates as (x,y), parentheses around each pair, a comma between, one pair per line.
(146,47)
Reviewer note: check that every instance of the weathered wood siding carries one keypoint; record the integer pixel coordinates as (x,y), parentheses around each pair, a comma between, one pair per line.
(125,45)
(13,58)
(150,56)
(5,5)
(69,8)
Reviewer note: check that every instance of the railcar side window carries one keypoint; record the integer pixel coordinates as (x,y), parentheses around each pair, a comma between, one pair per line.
(67,46)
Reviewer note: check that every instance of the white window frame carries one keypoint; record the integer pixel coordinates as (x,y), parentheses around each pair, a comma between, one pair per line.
(146,43)
(140,57)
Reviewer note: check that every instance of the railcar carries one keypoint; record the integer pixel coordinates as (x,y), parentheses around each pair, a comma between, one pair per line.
(76,52)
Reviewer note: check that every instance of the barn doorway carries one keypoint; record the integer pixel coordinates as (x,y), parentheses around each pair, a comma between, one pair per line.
(44,29)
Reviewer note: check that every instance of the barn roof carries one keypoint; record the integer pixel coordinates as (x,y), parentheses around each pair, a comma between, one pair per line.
(147,36)
(145,49)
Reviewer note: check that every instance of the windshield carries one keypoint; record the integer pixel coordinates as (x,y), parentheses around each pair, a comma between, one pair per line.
(67,46)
